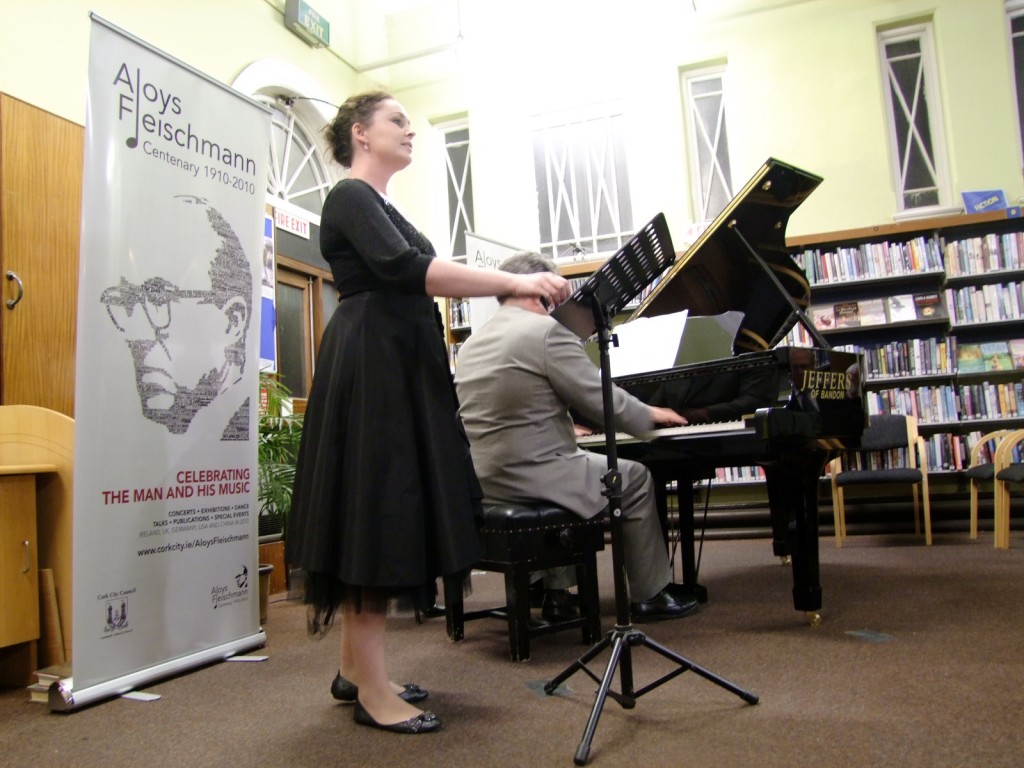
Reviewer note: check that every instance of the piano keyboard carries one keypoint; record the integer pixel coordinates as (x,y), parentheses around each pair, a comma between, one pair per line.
(598,438)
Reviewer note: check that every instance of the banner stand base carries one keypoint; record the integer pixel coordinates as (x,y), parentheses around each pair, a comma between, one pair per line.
(63,697)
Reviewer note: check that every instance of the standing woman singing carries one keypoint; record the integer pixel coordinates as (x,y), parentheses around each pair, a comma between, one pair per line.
(385,493)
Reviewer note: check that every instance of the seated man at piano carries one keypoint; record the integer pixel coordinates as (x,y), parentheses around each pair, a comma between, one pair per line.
(518,376)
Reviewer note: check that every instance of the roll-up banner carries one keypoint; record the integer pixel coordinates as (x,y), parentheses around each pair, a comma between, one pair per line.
(484,252)
(166,402)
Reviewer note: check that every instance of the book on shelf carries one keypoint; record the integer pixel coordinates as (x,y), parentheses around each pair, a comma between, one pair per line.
(872,312)
(846,314)
(929,306)
(823,316)
(901,308)
(1016,352)
(969,358)
(996,356)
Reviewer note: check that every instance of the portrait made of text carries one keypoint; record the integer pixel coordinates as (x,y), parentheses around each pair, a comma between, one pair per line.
(188,344)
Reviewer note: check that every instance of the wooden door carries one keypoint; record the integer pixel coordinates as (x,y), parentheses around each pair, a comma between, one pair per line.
(40,218)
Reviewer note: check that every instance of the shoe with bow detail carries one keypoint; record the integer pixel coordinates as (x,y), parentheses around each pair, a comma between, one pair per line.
(346,692)
(425,722)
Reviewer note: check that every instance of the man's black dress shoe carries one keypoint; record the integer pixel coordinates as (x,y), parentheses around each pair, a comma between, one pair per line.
(343,690)
(664,605)
(559,605)
(424,722)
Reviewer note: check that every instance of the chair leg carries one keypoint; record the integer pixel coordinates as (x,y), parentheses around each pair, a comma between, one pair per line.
(839,516)
(917,511)
(517,599)
(927,516)
(454,611)
(1001,502)
(974,509)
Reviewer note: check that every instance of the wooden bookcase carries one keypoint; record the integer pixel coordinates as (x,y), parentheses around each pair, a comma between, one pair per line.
(920,366)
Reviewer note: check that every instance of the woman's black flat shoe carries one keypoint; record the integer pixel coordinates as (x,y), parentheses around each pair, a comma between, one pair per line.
(343,690)
(424,722)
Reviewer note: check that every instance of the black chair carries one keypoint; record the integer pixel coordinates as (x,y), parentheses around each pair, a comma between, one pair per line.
(890,452)
(522,538)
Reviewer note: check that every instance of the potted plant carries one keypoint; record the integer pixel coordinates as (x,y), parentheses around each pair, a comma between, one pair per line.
(279,434)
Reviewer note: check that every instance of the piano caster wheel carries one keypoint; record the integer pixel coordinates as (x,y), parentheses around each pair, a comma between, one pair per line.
(785,560)
(813,619)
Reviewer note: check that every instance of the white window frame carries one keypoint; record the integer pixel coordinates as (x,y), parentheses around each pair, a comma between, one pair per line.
(465,214)
(582,163)
(715,164)
(1015,10)
(929,79)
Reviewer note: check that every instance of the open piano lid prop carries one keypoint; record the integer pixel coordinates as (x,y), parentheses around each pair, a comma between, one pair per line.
(718,274)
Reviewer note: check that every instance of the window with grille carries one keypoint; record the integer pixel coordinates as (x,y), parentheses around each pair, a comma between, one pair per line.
(915,117)
(710,170)
(582,186)
(296,173)
(1015,17)
(460,185)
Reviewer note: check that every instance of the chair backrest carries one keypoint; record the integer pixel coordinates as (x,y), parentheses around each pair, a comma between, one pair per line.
(890,441)
(886,432)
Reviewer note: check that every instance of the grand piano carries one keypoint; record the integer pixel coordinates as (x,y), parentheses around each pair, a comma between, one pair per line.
(786,409)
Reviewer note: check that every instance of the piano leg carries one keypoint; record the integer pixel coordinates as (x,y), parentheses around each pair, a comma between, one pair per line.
(687,528)
(793,501)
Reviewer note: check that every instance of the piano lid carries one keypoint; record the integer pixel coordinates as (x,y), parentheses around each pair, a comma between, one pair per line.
(717,273)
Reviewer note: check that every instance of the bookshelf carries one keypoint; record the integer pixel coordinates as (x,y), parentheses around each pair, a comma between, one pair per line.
(937,308)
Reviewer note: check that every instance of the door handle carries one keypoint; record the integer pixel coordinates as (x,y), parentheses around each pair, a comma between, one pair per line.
(28,556)
(12,303)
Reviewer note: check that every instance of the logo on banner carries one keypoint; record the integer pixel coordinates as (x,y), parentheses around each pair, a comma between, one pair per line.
(227,594)
(155,119)
(116,617)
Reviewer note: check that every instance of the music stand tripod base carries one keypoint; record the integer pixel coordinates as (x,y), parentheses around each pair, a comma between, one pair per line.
(642,259)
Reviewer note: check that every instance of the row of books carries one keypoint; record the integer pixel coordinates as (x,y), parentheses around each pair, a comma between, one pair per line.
(986,303)
(453,353)
(459,316)
(1003,355)
(990,253)
(879,311)
(926,357)
(928,404)
(871,260)
(914,357)
(947,403)
(942,452)
(929,357)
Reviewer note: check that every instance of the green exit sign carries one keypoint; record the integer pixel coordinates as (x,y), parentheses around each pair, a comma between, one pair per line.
(307,23)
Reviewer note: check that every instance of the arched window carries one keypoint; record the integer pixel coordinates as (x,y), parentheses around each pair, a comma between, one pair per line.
(297,172)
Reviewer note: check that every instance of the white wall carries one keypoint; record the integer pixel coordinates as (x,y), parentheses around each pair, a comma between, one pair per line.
(805,86)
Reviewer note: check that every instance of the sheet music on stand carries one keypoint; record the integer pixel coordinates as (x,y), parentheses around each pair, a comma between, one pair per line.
(620,279)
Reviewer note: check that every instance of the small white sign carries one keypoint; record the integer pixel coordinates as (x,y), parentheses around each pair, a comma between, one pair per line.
(291,223)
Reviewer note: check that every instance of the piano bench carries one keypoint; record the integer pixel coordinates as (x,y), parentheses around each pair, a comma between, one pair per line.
(520,538)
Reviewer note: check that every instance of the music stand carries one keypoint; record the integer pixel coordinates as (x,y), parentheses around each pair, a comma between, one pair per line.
(587,311)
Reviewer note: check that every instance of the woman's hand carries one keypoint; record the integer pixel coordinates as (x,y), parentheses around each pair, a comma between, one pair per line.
(543,285)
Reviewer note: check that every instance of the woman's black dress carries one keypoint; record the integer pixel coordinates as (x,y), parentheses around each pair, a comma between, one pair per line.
(385,493)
